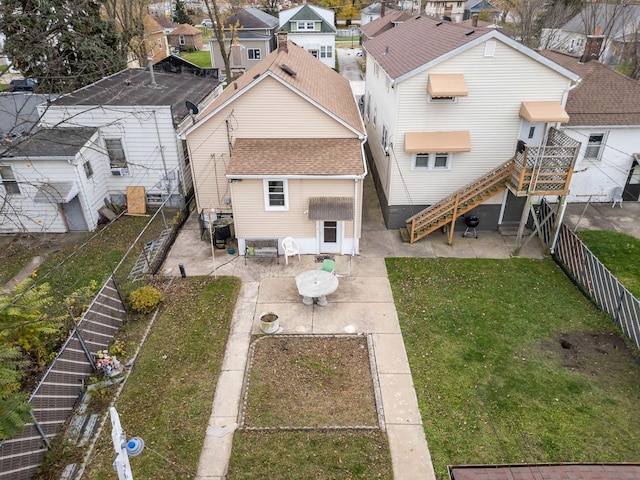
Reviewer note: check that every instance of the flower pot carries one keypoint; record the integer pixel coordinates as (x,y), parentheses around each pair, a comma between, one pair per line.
(269,322)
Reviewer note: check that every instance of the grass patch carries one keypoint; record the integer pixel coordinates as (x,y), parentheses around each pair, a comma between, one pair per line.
(167,399)
(619,252)
(202,58)
(494,383)
(309,455)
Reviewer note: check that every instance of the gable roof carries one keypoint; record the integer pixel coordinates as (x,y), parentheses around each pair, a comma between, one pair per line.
(52,142)
(166,22)
(252,18)
(373,9)
(133,87)
(18,112)
(619,18)
(285,15)
(603,97)
(151,25)
(185,29)
(313,81)
(306,13)
(382,24)
(401,51)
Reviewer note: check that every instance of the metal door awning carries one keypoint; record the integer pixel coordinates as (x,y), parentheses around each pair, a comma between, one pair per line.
(331,208)
(56,192)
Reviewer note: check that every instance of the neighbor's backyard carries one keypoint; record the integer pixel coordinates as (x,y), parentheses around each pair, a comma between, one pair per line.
(511,364)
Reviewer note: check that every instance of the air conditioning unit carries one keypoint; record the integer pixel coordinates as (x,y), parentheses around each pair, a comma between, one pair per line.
(119,171)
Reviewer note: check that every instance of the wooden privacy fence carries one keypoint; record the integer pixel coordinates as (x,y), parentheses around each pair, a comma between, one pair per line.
(591,275)
(62,384)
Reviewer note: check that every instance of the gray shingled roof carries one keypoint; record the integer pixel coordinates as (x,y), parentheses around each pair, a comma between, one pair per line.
(382,24)
(603,97)
(133,87)
(417,42)
(18,112)
(252,18)
(51,142)
(623,17)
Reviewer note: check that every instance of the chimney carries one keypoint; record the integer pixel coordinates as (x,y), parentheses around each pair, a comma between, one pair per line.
(474,20)
(382,6)
(592,48)
(282,42)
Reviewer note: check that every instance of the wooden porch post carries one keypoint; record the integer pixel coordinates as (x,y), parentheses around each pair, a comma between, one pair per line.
(453,219)
(523,222)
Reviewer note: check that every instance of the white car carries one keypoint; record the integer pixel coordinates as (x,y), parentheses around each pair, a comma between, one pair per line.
(207,23)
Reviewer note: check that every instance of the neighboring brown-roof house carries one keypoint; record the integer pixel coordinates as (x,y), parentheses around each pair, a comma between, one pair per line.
(382,24)
(281,156)
(398,56)
(308,76)
(603,96)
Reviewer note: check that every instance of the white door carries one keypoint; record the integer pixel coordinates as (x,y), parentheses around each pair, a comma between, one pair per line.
(330,236)
(532,133)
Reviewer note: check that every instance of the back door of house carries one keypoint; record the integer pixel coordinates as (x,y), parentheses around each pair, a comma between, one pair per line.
(531,133)
(632,188)
(330,236)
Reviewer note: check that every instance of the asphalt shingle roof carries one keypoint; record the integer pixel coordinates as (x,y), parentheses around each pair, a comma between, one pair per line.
(402,49)
(133,87)
(307,13)
(603,97)
(382,24)
(312,79)
(251,18)
(281,156)
(52,142)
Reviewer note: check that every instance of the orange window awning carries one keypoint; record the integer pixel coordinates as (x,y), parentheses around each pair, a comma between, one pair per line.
(543,112)
(447,85)
(437,142)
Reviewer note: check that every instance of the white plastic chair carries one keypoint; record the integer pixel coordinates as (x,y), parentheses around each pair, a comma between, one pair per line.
(291,248)
(616,197)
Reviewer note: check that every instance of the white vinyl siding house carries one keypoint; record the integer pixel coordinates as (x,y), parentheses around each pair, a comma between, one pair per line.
(141,144)
(499,76)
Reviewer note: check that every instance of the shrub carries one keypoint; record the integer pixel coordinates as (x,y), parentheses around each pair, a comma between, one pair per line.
(145,299)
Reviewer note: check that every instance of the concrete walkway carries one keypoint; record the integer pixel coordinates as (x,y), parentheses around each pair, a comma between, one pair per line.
(363,303)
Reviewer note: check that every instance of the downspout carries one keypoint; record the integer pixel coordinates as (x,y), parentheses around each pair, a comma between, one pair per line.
(357,228)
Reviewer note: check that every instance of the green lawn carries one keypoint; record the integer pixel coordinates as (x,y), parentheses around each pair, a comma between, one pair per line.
(168,397)
(619,252)
(201,58)
(494,384)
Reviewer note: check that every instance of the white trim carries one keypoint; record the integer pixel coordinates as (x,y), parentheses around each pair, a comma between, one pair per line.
(267,198)
(431,160)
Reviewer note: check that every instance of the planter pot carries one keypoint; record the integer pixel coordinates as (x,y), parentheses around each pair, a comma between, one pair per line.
(269,322)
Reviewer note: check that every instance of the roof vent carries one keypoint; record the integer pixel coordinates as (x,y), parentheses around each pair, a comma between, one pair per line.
(470,32)
(417,17)
(288,70)
(127,82)
(438,24)
(386,49)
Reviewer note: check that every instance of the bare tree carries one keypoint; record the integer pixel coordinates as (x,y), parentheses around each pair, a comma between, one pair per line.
(217,18)
(129,17)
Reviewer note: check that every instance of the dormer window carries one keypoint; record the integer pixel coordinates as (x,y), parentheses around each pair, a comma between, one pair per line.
(306,26)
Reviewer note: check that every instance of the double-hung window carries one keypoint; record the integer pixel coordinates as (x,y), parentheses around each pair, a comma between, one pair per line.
(117,157)
(9,181)
(385,138)
(431,161)
(253,54)
(276,195)
(326,51)
(594,146)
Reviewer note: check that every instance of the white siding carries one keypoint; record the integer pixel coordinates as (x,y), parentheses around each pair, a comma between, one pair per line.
(148,137)
(313,41)
(594,180)
(497,86)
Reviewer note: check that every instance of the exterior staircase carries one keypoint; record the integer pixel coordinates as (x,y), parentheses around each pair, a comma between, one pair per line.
(447,210)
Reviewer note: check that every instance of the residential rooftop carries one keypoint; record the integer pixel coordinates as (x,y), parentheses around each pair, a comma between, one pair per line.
(134,87)
(51,142)
(603,96)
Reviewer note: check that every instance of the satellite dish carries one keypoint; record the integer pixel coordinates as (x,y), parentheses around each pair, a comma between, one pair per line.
(192,107)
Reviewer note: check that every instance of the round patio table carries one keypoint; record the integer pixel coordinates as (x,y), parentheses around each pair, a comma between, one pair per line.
(315,285)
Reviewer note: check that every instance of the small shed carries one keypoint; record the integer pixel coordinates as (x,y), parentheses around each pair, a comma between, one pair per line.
(185,38)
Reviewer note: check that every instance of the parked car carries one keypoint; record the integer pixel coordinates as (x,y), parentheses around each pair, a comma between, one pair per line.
(22,85)
(207,23)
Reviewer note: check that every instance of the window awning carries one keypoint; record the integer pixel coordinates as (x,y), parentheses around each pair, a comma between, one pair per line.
(56,192)
(447,85)
(331,208)
(437,142)
(543,112)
